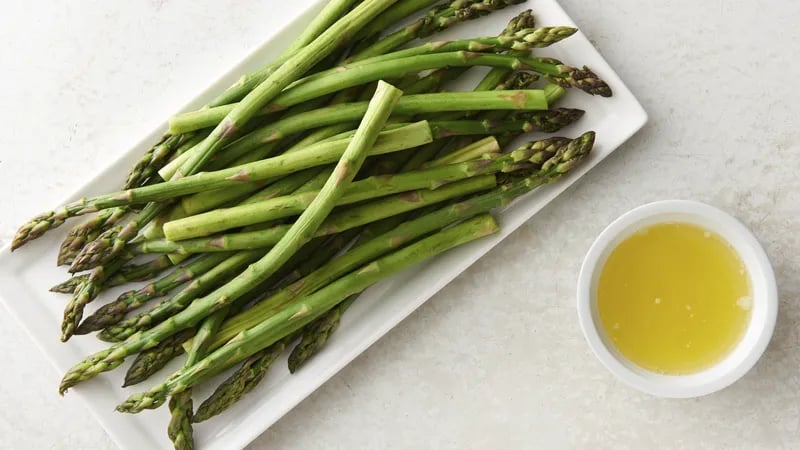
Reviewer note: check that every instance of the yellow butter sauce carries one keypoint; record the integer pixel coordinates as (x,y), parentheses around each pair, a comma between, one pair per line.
(674,298)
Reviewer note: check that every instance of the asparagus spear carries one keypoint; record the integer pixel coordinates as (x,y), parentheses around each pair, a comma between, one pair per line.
(521,21)
(439,19)
(323,153)
(300,233)
(88,231)
(523,39)
(179,429)
(154,359)
(338,222)
(316,334)
(390,17)
(240,382)
(69,285)
(296,315)
(127,274)
(154,159)
(115,311)
(181,407)
(345,76)
(147,168)
(559,155)
(87,292)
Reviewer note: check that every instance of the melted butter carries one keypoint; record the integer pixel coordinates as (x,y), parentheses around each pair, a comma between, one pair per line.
(674,298)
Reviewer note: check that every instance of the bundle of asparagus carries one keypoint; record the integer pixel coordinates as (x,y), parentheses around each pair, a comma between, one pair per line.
(272,208)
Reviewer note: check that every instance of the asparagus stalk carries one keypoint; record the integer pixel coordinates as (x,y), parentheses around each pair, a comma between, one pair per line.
(407,106)
(154,359)
(240,382)
(523,39)
(127,274)
(72,283)
(521,21)
(338,222)
(115,311)
(154,159)
(323,153)
(392,16)
(357,74)
(88,231)
(316,335)
(180,430)
(181,407)
(439,20)
(205,332)
(296,315)
(559,155)
(147,168)
(87,292)
(300,233)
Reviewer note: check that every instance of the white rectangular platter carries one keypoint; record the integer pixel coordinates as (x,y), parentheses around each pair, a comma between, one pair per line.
(24,278)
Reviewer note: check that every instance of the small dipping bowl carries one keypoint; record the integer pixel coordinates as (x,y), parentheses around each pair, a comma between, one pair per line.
(763,313)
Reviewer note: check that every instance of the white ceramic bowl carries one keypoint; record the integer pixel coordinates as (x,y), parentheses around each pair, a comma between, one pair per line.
(763,314)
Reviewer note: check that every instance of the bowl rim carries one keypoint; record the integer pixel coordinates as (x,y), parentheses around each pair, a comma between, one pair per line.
(763,316)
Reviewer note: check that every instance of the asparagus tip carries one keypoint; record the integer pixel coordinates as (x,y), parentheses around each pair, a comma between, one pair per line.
(583,79)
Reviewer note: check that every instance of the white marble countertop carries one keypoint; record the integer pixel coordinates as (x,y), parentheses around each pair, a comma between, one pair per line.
(83,80)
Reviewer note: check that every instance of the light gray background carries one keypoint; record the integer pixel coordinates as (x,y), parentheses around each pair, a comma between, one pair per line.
(495,360)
